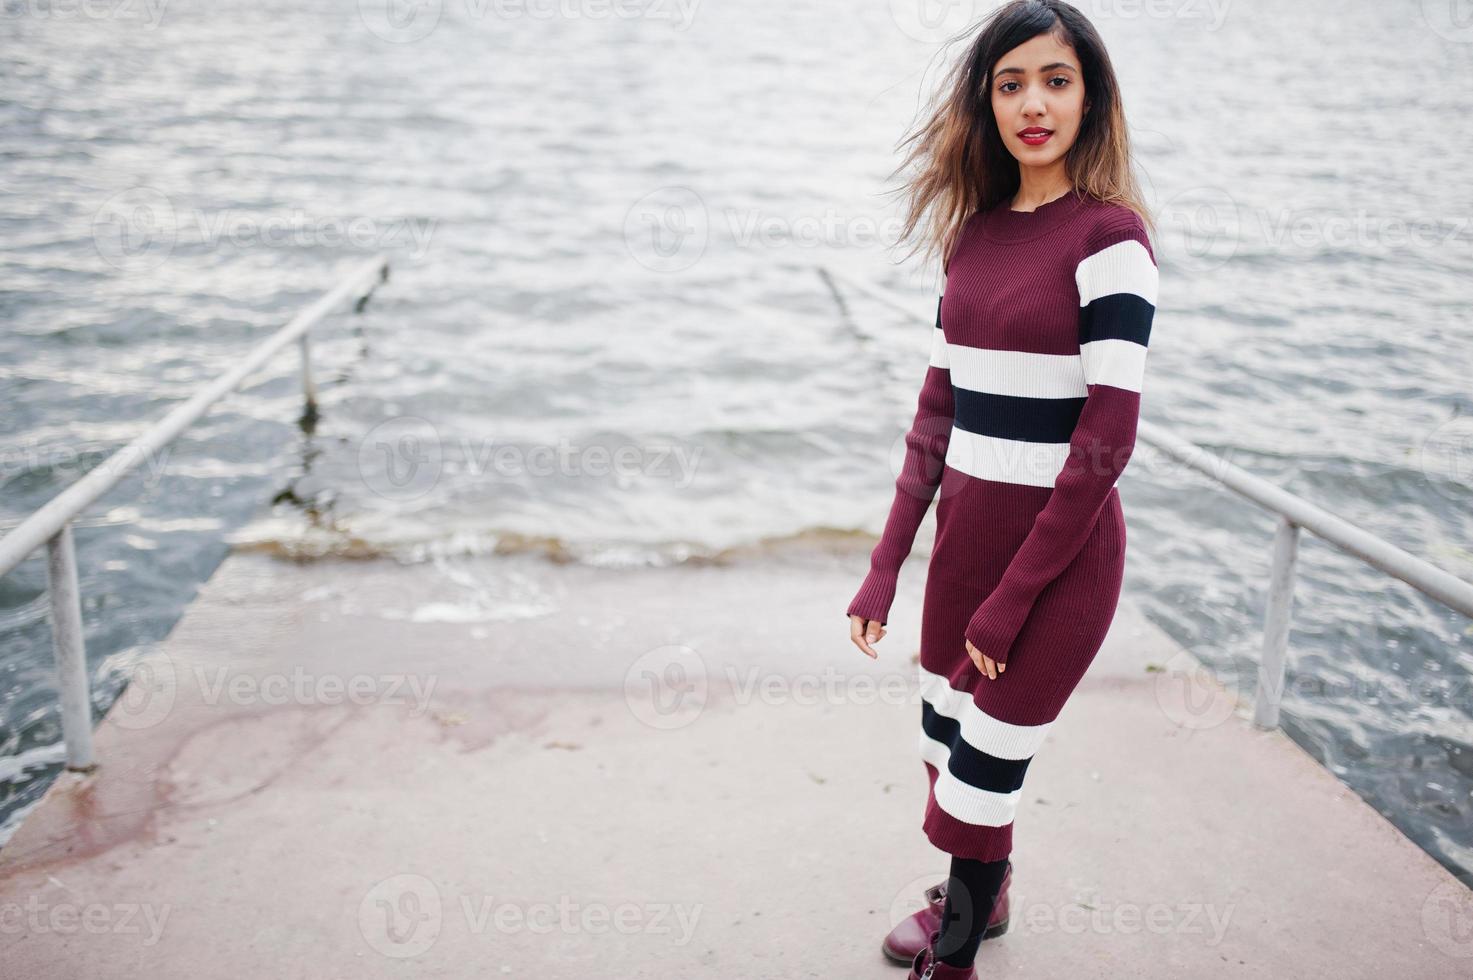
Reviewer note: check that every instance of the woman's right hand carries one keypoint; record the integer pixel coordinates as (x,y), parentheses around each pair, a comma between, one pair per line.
(864,632)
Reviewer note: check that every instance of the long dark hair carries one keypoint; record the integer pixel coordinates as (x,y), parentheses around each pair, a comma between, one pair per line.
(964,164)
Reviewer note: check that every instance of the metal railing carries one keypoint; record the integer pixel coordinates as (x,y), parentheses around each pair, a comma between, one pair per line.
(52,524)
(1293,514)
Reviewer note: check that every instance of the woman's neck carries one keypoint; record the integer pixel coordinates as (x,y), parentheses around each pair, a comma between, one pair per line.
(1038,189)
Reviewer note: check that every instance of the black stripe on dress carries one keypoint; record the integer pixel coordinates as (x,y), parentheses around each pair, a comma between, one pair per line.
(1016,416)
(968,763)
(1118,316)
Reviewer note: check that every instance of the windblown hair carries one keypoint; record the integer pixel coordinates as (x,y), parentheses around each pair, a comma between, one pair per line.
(964,166)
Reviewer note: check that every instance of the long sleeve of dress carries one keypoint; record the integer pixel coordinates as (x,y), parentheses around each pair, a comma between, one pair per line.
(1117,279)
(915,487)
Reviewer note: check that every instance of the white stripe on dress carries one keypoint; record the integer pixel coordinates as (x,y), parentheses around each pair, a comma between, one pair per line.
(1114,362)
(1124,267)
(962,801)
(1032,464)
(939,356)
(982,731)
(1012,372)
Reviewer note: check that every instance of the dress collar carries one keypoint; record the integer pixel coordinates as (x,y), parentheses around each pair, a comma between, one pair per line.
(1003,224)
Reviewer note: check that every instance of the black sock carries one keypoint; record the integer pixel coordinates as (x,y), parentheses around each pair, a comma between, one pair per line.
(971,892)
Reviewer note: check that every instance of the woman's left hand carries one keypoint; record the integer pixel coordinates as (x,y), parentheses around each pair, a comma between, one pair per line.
(985,663)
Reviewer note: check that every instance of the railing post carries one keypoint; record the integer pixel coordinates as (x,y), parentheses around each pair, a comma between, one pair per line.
(1273,664)
(71,649)
(309,388)
(51,525)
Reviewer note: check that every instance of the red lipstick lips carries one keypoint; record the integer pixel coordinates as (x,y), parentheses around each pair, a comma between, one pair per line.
(1035,135)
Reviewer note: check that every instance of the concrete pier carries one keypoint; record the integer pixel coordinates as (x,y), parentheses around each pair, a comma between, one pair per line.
(501,766)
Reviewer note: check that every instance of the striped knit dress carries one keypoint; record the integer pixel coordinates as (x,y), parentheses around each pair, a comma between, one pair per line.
(1026,419)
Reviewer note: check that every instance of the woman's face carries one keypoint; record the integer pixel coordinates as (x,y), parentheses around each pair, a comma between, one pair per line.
(1038,87)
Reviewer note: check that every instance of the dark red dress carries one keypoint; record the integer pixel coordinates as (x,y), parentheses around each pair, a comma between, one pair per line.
(1026,420)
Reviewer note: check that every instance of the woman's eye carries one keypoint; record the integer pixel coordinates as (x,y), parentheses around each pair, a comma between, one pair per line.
(1013,86)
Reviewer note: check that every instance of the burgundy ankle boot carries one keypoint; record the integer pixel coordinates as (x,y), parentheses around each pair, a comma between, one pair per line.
(911,936)
(927,967)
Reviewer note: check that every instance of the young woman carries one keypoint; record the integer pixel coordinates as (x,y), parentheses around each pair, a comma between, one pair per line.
(1026,419)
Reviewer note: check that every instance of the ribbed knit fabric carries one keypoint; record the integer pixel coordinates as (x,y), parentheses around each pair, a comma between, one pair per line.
(1026,419)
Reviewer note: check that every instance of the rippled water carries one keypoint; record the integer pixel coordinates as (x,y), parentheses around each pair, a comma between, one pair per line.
(606,338)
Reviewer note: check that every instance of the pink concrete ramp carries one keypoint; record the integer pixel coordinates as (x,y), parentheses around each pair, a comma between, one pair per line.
(488,767)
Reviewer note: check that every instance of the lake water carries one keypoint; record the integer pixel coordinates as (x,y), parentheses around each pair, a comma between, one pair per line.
(606,336)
